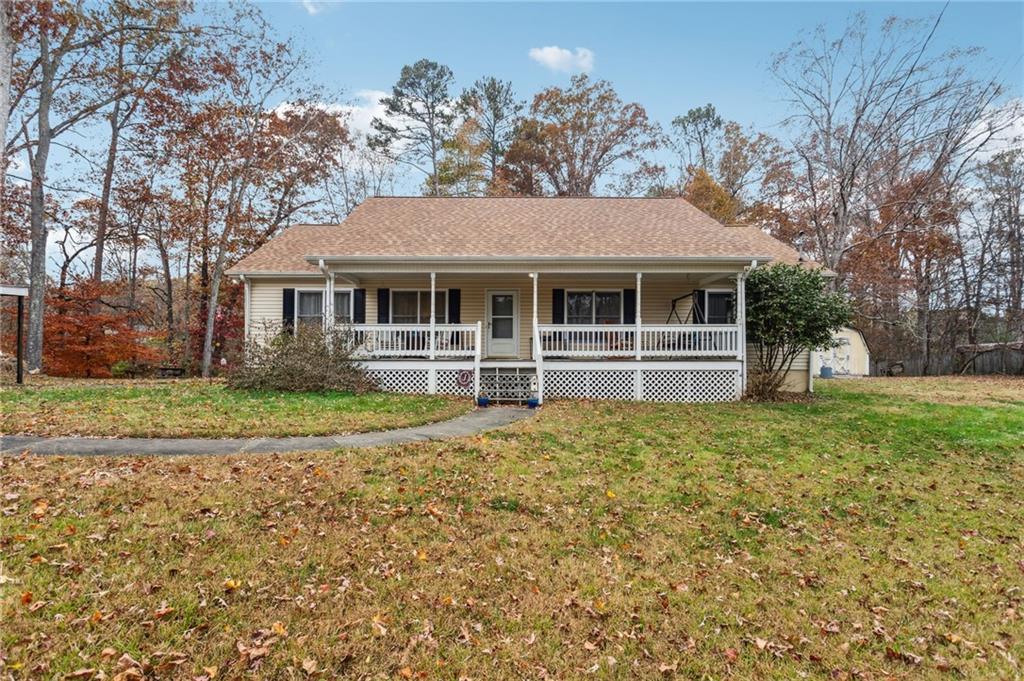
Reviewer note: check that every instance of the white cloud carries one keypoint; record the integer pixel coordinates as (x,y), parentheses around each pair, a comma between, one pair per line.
(365,107)
(1008,121)
(560,59)
(312,7)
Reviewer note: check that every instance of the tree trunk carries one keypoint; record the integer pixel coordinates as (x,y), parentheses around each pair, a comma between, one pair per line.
(103,216)
(37,217)
(6,65)
(211,313)
(165,263)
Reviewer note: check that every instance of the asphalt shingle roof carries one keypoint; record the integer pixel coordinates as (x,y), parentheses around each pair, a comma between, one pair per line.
(515,227)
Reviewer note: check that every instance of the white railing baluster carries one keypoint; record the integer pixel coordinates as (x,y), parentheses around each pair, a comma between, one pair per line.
(653,340)
(414,340)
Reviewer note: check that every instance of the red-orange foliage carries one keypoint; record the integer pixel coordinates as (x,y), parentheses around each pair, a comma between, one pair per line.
(83,337)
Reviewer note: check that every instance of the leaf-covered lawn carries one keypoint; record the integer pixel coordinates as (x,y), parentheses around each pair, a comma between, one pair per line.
(872,533)
(195,408)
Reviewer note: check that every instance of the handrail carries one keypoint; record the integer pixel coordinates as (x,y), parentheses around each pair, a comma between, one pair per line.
(415,340)
(655,340)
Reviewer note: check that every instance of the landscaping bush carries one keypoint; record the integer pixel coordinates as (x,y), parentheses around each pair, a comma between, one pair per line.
(308,360)
(790,310)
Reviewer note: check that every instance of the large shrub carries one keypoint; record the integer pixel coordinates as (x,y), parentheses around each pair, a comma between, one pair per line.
(310,360)
(790,310)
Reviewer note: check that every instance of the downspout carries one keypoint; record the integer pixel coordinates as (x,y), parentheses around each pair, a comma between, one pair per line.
(246,297)
(742,309)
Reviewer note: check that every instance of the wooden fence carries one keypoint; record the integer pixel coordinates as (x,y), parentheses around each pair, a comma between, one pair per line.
(1001,361)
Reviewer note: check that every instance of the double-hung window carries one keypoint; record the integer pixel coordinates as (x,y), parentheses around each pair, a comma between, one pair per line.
(413,307)
(593,307)
(309,308)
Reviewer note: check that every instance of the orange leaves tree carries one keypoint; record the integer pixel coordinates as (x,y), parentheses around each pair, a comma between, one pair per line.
(575,137)
(83,341)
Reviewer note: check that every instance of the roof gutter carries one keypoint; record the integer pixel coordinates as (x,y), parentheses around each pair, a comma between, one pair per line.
(535,258)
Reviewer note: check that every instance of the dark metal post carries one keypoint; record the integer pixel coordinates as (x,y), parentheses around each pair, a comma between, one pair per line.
(21,310)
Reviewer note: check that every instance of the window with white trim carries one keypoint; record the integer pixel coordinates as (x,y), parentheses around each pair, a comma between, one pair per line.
(593,307)
(343,306)
(412,306)
(309,308)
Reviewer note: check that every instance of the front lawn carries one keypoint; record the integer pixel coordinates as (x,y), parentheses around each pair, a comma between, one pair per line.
(196,408)
(875,532)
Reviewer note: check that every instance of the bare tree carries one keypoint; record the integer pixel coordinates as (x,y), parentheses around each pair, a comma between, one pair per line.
(872,109)
(361,172)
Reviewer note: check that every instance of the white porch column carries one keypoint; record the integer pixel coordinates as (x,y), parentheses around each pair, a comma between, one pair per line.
(636,339)
(534,350)
(433,288)
(329,302)
(247,297)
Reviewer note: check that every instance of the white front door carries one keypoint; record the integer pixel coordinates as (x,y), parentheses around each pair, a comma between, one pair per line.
(502,323)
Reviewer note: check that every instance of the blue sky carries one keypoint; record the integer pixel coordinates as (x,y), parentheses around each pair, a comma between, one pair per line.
(668,57)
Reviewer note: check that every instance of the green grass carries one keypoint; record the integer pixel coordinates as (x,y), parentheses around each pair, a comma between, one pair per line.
(194,408)
(875,532)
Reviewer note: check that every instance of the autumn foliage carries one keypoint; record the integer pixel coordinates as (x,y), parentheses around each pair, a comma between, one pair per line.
(87,338)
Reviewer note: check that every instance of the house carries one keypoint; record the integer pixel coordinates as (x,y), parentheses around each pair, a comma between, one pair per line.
(608,298)
(849,357)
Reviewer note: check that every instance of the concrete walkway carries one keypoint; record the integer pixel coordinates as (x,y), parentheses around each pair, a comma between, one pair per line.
(474,422)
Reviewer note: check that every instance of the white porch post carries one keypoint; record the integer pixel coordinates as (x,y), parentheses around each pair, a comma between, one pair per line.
(477,352)
(247,297)
(329,302)
(433,288)
(534,350)
(636,339)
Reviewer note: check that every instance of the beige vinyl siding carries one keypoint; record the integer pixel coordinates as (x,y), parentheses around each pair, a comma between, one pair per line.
(266,296)
(796,378)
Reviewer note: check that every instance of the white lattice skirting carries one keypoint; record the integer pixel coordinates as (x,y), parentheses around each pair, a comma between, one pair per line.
(649,385)
(422,378)
(645,381)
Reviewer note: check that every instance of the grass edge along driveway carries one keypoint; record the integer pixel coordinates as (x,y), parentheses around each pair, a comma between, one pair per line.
(196,408)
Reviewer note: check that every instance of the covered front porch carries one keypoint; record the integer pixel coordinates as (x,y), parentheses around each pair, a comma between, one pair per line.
(665,333)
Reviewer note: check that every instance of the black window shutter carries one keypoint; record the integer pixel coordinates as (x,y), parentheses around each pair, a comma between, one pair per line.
(288,310)
(700,315)
(359,306)
(629,306)
(383,306)
(454,306)
(558,306)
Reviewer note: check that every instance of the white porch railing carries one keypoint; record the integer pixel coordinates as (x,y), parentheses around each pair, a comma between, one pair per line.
(656,340)
(413,340)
